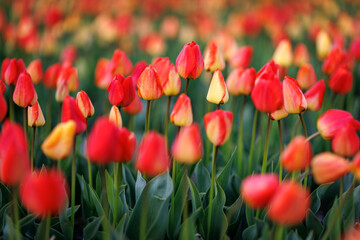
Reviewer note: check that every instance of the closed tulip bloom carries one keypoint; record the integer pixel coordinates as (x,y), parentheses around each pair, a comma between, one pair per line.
(103,77)
(306,76)
(182,114)
(85,105)
(353,233)
(218,126)
(241,82)
(294,99)
(258,189)
(35,116)
(126,141)
(346,141)
(301,55)
(24,93)
(135,106)
(62,90)
(162,65)
(355,48)
(323,44)
(189,62)
(315,95)
(341,80)
(138,69)
(290,204)
(14,154)
(115,116)
(71,111)
(356,165)
(51,75)
(4,65)
(297,155)
(327,167)
(242,57)
(149,84)
(120,63)
(2,87)
(333,120)
(270,70)
(283,53)
(59,142)
(13,70)
(279,114)
(35,70)
(3,107)
(334,59)
(121,91)
(70,75)
(173,84)
(217,93)
(44,193)
(189,138)
(152,157)
(213,58)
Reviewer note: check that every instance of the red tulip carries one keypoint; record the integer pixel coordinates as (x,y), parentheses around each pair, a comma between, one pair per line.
(24,94)
(181,114)
(297,155)
(189,62)
(13,70)
(84,103)
(3,107)
(241,81)
(218,126)
(162,66)
(149,84)
(135,106)
(103,77)
(315,95)
(356,165)
(257,190)
(213,58)
(294,100)
(120,64)
(341,80)
(301,55)
(335,59)
(242,57)
(62,90)
(355,48)
(2,87)
(35,70)
(290,204)
(121,91)
(68,54)
(152,158)
(51,75)
(4,65)
(44,193)
(346,141)
(35,116)
(306,76)
(70,75)
(71,111)
(126,141)
(138,69)
(217,93)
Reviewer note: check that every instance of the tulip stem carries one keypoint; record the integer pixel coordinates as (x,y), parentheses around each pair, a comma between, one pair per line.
(47,227)
(312,136)
(303,124)
(117,181)
(251,153)
(167,118)
(240,137)
(48,111)
(73,166)
(266,150)
(60,111)
(147,117)
(131,123)
(105,204)
(218,106)
(213,173)
(26,122)
(88,160)
(11,103)
(185,212)
(279,232)
(295,128)
(32,148)
(187,85)
(281,150)
(16,214)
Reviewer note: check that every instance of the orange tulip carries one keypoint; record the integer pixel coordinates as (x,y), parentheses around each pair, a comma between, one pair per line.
(301,55)
(315,95)
(115,116)
(181,114)
(297,155)
(35,116)
(346,141)
(218,126)
(149,84)
(35,70)
(294,99)
(306,76)
(241,81)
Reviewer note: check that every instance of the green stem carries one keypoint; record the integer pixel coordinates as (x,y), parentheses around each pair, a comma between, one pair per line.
(131,123)
(303,124)
(60,112)
(16,214)
(313,136)
(185,212)
(26,122)
(105,204)
(213,173)
(281,150)
(147,117)
(73,170)
(266,149)
(88,161)
(32,148)
(47,227)
(144,213)
(11,102)
(187,85)
(240,137)
(117,181)
(295,128)
(251,152)
(48,111)
(167,117)
(279,232)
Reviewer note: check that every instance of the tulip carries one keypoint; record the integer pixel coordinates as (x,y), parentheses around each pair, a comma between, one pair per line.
(353,233)
(44,193)
(283,53)
(242,57)
(35,70)
(335,59)
(306,76)
(290,204)
(294,100)
(173,84)
(4,65)
(315,95)
(241,81)
(341,80)
(189,138)
(257,190)
(120,64)
(279,114)
(2,87)
(60,141)
(24,94)
(269,71)
(301,55)
(356,165)
(126,141)
(162,68)
(69,74)
(138,69)
(135,106)
(328,167)
(13,70)
(51,75)
(346,141)
(35,116)
(355,48)
(297,155)
(152,158)
(149,84)
(62,90)
(115,116)
(181,114)
(323,44)
(217,93)
(68,54)
(189,62)
(213,58)
(103,77)
(71,111)
(3,107)
(121,91)
(84,103)
(218,126)
(333,120)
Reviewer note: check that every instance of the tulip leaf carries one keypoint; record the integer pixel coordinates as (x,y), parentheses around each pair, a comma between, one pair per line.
(84,190)
(27,220)
(96,201)
(65,222)
(92,228)
(139,185)
(316,197)
(336,230)
(223,177)
(110,190)
(313,223)
(348,214)
(188,227)
(41,229)
(195,196)
(129,180)
(202,176)
(3,211)
(293,235)
(250,232)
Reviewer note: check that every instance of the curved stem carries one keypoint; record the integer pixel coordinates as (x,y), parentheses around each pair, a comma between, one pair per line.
(88,161)
(303,124)
(281,150)
(313,136)
(11,102)
(251,153)
(147,117)
(266,149)
(32,148)
(240,137)
(213,172)
(187,85)
(167,117)
(26,122)
(73,168)
(117,181)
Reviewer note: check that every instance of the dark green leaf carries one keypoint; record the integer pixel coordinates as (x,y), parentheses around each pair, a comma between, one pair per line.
(223,177)
(91,228)
(139,185)
(313,224)
(202,177)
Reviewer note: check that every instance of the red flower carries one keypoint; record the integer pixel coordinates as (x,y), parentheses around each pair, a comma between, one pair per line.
(315,95)
(301,55)
(135,106)
(85,105)
(242,57)
(241,81)
(35,70)
(138,69)
(121,91)
(2,87)
(213,58)
(3,107)
(126,141)
(149,84)
(355,48)
(346,141)
(306,76)
(51,75)
(35,116)
(102,76)
(69,74)
(181,114)
(120,64)
(24,94)
(13,70)
(71,111)
(294,99)
(335,59)
(189,62)
(162,66)
(297,155)
(341,80)
(218,126)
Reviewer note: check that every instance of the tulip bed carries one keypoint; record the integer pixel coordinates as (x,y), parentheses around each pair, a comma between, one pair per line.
(175,120)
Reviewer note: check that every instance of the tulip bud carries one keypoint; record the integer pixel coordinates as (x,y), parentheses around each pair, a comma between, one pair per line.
(103,77)
(333,120)
(3,107)
(181,114)
(328,167)
(126,141)
(162,68)
(258,189)
(189,62)
(241,81)
(290,204)
(51,75)
(120,63)
(356,165)
(152,158)
(44,193)
(68,54)
(297,155)
(306,76)
(121,91)
(217,93)
(138,69)
(341,80)
(173,85)
(315,95)
(12,72)
(85,105)
(35,116)
(71,111)
(323,44)
(346,141)
(70,75)
(149,84)
(334,59)
(62,90)
(283,53)
(24,93)
(294,100)
(242,57)
(213,58)
(35,70)
(355,48)
(135,106)
(59,142)
(190,139)
(218,126)
(4,65)
(115,116)
(279,114)
(2,87)
(301,55)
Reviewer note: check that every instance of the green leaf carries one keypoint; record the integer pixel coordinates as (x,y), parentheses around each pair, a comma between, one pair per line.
(317,195)
(96,200)
(41,229)
(92,228)
(293,235)
(188,227)
(139,185)
(335,233)
(195,196)
(65,222)
(110,190)
(84,190)
(250,233)
(348,212)
(3,211)
(202,176)
(9,229)
(223,177)
(130,182)
(27,220)
(313,224)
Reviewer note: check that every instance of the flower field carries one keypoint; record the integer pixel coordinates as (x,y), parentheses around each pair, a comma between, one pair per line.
(182,119)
